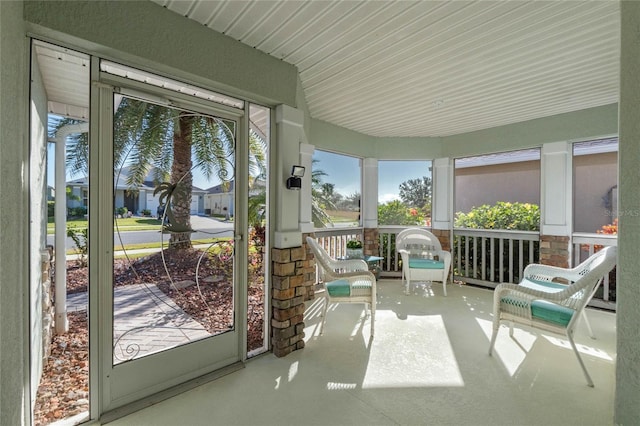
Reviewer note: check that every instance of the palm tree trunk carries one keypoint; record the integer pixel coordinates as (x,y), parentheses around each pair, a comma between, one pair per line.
(182,176)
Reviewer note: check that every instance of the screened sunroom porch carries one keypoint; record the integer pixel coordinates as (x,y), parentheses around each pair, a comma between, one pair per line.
(288,214)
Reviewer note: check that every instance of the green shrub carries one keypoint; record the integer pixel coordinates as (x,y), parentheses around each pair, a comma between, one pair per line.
(80,239)
(503,215)
(397,213)
(354,244)
(121,211)
(77,211)
(51,208)
(146,212)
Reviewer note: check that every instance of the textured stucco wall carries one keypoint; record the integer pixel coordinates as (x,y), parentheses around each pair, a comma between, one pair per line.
(627,405)
(513,182)
(13,220)
(38,219)
(594,176)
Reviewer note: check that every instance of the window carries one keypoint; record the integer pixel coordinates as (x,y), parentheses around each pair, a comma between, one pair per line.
(404,193)
(335,190)
(501,192)
(508,183)
(595,183)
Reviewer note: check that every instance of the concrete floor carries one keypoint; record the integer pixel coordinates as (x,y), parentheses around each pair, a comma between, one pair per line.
(427,365)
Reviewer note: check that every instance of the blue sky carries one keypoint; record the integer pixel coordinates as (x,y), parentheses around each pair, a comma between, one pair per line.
(344,172)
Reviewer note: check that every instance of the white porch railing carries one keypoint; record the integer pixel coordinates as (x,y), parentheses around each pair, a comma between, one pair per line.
(483,257)
(334,240)
(387,242)
(584,245)
(488,257)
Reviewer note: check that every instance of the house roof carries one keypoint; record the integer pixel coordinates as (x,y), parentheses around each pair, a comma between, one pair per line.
(222,188)
(120,182)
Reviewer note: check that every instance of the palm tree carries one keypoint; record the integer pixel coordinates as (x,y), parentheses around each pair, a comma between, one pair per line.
(321,198)
(169,143)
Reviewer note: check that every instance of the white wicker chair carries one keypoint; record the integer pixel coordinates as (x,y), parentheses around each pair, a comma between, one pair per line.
(414,244)
(541,302)
(345,281)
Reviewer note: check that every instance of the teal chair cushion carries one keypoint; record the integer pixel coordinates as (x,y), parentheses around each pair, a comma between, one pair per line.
(425,264)
(548,286)
(550,312)
(543,310)
(338,288)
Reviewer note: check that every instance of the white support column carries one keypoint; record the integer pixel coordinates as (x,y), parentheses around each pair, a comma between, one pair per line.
(442,208)
(306,160)
(369,201)
(555,192)
(60,213)
(289,136)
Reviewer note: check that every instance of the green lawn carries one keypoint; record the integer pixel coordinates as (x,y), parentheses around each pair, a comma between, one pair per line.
(126,224)
(158,244)
(343,216)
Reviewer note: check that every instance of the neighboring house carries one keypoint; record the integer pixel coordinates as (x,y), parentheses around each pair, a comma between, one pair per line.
(219,199)
(515,177)
(137,200)
(51,193)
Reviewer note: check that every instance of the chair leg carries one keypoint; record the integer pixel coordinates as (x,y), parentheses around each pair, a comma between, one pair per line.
(496,327)
(444,286)
(373,317)
(586,321)
(584,368)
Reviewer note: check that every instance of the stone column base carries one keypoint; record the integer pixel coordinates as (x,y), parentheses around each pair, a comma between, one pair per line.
(554,250)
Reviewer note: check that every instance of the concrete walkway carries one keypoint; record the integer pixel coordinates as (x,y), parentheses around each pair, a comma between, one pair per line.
(145,321)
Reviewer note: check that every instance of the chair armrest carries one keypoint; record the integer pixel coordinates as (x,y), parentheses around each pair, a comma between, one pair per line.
(351,265)
(404,254)
(548,272)
(352,277)
(524,292)
(445,256)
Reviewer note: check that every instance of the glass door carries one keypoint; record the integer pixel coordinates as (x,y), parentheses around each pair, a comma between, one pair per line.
(170,298)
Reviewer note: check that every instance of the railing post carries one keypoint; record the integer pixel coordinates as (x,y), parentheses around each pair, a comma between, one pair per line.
(556,204)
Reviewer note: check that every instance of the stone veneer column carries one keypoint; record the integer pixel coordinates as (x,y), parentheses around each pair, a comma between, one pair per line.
(554,250)
(292,283)
(444,236)
(371,246)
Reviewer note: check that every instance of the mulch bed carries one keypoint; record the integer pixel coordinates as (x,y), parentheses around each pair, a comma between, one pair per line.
(64,387)
(63,390)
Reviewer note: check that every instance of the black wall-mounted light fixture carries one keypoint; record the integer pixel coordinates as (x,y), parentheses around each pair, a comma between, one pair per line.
(295,181)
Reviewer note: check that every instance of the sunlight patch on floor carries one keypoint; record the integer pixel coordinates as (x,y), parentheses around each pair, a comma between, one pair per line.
(423,356)
(293,371)
(341,386)
(512,352)
(583,349)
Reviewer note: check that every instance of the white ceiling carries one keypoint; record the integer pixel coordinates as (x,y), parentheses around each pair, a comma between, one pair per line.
(408,68)
(431,68)
(65,75)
